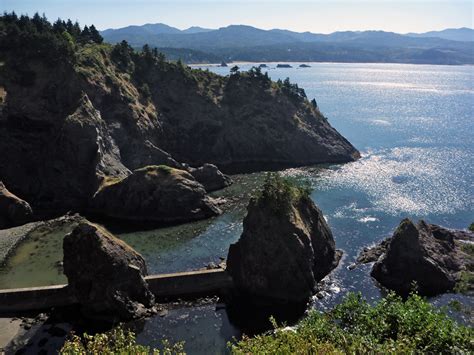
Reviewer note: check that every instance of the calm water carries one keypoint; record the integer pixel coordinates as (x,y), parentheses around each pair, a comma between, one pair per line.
(413,125)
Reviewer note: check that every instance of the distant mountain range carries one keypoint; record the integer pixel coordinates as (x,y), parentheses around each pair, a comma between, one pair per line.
(239,42)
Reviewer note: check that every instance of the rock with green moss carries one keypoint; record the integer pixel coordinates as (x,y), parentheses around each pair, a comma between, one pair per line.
(158,194)
(425,254)
(106,275)
(286,246)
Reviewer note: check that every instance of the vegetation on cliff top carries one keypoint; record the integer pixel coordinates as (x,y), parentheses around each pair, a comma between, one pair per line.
(391,326)
(280,193)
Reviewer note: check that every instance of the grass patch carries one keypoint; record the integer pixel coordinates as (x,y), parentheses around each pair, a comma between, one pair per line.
(109,181)
(392,326)
(282,192)
(153,169)
(465,283)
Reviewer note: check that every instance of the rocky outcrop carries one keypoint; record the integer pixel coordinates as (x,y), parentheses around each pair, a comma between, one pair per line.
(13,210)
(106,275)
(87,117)
(286,247)
(210,177)
(423,253)
(154,194)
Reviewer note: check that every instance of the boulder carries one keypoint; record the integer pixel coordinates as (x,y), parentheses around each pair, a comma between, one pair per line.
(423,253)
(13,210)
(158,194)
(286,247)
(106,275)
(210,177)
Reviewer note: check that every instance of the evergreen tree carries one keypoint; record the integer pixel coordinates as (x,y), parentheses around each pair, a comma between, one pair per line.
(85,35)
(95,35)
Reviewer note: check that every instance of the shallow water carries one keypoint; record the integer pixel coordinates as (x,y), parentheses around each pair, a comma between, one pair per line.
(413,125)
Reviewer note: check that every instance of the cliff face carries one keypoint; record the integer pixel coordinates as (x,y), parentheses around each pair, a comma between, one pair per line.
(64,127)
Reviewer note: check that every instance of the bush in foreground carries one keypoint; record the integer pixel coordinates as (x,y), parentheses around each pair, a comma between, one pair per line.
(117,341)
(392,326)
(354,326)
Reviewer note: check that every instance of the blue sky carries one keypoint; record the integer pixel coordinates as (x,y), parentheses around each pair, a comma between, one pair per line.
(299,15)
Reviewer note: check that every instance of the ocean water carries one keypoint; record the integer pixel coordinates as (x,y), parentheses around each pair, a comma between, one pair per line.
(413,125)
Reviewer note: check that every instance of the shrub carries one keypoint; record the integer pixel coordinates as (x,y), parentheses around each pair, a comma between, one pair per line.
(281,192)
(116,341)
(391,326)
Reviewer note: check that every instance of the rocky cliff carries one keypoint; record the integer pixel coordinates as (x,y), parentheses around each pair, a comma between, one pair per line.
(70,118)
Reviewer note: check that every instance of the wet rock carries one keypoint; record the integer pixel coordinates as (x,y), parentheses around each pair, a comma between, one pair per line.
(372,254)
(13,210)
(423,253)
(155,194)
(106,275)
(210,177)
(286,247)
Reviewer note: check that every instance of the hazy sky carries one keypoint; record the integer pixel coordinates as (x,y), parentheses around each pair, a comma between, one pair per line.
(299,15)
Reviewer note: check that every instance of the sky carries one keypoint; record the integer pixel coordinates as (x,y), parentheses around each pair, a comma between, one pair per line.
(317,16)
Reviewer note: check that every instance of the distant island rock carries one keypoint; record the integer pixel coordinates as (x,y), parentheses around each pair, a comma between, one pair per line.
(432,256)
(284,66)
(263,66)
(305,66)
(286,246)
(223,64)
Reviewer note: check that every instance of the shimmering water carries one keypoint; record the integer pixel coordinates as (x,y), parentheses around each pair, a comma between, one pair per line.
(413,125)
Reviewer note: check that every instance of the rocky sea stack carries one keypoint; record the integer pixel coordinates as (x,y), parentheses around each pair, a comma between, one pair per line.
(154,194)
(427,254)
(73,113)
(286,246)
(13,210)
(106,275)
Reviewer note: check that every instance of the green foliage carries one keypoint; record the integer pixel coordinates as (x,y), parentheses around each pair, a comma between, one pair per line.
(471,227)
(293,91)
(116,341)
(465,282)
(392,326)
(24,37)
(234,70)
(282,192)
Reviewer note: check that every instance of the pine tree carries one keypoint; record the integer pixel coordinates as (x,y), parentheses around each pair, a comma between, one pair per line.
(95,35)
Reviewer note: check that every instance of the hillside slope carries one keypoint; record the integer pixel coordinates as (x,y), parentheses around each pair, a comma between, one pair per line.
(77,114)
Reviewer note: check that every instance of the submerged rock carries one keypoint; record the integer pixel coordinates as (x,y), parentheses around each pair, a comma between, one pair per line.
(106,275)
(154,194)
(286,247)
(210,177)
(13,210)
(423,253)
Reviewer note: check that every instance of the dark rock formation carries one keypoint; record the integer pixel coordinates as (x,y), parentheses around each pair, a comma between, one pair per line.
(106,275)
(13,210)
(284,250)
(154,194)
(370,255)
(305,66)
(424,253)
(284,66)
(210,177)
